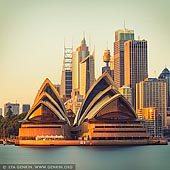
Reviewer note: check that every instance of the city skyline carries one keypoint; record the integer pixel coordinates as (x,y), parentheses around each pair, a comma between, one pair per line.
(32,38)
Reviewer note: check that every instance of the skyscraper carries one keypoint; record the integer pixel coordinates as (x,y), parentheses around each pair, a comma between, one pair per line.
(152,93)
(25,108)
(80,54)
(66,77)
(83,50)
(126,91)
(151,122)
(135,64)
(87,75)
(121,36)
(75,70)
(166,75)
(57,86)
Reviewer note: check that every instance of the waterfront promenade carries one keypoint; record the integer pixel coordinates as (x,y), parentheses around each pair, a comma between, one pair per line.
(90,142)
(17,142)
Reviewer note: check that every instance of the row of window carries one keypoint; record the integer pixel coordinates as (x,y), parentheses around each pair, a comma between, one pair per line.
(45,127)
(118,126)
(139,131)
(119,138)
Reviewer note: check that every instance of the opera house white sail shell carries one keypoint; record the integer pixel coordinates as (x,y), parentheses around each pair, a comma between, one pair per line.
(47,117)
(107,115)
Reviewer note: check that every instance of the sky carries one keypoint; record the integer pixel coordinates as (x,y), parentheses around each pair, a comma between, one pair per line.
(32,34)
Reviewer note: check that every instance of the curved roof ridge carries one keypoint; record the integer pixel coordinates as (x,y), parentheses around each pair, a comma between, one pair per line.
(97,97)
(105,76)
(34,108)
(45,94)
(48,82)
(108,80)
(112,99)
(44,84)
(129,104)
(104,104)
(165,70)
(54,98)
(47,104)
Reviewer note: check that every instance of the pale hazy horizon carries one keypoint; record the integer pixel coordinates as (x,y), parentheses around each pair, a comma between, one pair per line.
(32,34)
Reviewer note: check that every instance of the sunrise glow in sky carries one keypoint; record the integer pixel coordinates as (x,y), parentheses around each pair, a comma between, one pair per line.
(32,34)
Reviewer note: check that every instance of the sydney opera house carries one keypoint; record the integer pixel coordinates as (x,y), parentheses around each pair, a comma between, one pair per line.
(104,118)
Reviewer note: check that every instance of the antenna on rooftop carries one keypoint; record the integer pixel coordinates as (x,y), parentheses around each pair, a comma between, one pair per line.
(124,30)
(124,25)
(89,43)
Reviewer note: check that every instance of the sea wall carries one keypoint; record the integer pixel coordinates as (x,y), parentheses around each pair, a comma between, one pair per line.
(84,142)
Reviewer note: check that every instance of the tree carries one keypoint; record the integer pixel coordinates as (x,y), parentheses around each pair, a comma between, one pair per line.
(9,112)
(10,124)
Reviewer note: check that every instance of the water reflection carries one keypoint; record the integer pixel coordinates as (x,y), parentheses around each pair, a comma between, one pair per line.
(91,158)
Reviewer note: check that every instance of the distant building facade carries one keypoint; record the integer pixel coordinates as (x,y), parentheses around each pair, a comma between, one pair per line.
(66,77)
(87,74)
(135,64)
(152,93)
(168,122)
(75,102)
(150,117)
(166,75)
(121,36)
(81,53)
(25,108)
(83,69)
(112,66)
(57,86)
(126,91)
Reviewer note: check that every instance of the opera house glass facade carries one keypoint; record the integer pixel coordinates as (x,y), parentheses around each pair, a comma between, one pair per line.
(104,118)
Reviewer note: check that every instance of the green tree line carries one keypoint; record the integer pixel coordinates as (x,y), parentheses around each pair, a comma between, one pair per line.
(9,125)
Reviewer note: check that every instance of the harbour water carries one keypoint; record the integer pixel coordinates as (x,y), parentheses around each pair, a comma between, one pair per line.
(151,157)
